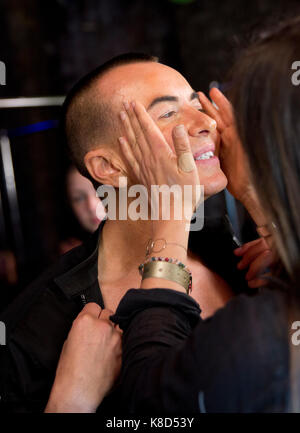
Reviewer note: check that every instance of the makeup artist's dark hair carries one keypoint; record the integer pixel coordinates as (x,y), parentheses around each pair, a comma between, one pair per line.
(265,95)
(266,99)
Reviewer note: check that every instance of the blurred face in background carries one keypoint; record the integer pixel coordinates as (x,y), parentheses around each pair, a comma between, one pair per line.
(83,200)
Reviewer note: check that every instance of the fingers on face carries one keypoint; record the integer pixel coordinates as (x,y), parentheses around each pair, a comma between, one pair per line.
(130,146)
(136,130)
(223,105)
(181,140)
(211,111)
(127,125)
(129,143)
(154,139)
(143,128)
(129,156)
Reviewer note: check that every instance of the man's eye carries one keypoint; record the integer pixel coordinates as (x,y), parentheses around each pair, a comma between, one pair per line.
(168,114)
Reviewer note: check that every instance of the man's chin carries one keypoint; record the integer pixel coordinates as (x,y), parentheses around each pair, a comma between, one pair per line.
(214,185)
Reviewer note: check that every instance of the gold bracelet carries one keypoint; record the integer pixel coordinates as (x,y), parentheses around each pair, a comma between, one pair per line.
(168,271)
(150,246)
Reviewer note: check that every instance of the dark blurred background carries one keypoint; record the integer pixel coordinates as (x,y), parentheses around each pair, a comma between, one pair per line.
(47,45)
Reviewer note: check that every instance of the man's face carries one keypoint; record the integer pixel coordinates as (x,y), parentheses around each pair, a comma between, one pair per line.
(170,101)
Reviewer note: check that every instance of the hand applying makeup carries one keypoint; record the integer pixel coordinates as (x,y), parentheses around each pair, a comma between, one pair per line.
(257,255)
(233,159)
(154,163)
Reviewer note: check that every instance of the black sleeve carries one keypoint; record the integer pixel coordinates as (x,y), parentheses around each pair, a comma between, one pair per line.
(34,338)
(17,375)
(235,361)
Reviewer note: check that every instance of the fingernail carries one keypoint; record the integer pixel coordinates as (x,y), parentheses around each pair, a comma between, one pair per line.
(123,115)
(133,104)
(126,105)
(179,131)
(121,140)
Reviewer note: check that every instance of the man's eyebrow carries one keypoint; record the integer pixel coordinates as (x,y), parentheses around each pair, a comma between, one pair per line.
(162,99)
(194,95)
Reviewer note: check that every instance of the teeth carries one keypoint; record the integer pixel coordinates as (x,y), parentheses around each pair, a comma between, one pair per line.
(205,155)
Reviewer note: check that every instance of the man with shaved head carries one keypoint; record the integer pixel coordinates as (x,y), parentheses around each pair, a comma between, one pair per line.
(85,287)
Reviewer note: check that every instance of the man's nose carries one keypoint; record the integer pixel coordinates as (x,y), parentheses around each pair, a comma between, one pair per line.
(201,125)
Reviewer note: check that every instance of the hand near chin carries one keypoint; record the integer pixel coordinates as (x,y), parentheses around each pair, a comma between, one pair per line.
(258,257)
(232,157)
(89,363)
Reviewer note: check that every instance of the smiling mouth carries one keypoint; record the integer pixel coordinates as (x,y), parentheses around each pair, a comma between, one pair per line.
(206,155)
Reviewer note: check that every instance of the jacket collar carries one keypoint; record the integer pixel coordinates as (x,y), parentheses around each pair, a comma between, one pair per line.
(84,274)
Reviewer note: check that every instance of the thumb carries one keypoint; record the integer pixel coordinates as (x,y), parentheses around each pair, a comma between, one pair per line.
(182,147)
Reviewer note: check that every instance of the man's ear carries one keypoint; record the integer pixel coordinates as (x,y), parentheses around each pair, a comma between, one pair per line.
(103,167)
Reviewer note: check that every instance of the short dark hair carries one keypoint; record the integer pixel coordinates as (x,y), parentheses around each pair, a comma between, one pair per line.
(84,118)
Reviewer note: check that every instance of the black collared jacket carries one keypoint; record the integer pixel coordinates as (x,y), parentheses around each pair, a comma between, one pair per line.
(38,321)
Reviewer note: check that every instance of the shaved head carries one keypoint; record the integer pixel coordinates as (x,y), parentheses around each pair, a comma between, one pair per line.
(88,119)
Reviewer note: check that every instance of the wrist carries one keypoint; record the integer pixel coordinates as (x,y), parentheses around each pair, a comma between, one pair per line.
(67,407)
(170,246)
(171,231)
(60,402)
(173,236)
(251,202)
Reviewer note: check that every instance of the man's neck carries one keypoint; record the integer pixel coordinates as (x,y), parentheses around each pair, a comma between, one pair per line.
(122,248)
